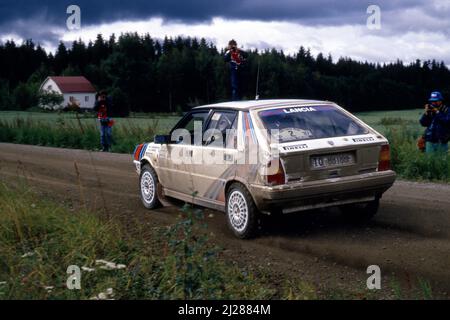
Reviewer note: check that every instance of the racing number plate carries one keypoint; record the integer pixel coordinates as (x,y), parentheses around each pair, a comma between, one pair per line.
(332,160)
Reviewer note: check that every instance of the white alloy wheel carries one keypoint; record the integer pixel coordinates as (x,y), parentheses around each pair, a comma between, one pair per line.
(237,211)
(148,187)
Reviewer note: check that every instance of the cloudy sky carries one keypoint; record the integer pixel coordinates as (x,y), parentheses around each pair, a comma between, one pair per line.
(410,29)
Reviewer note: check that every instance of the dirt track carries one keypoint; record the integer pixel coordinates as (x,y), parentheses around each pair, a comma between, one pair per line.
(408,239)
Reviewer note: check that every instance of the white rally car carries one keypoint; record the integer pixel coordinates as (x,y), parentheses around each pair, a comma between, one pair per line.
(250,158)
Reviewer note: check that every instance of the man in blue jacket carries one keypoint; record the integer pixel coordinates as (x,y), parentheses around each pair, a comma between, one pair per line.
(437,121)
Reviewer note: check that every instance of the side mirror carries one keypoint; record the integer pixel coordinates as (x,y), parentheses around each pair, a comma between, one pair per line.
(162,139)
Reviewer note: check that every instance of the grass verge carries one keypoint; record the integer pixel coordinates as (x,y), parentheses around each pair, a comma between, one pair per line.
(40,240)
(74,134)
(410,163)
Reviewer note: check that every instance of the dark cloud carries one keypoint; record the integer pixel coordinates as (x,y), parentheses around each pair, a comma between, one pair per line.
(39,19)
(195,10)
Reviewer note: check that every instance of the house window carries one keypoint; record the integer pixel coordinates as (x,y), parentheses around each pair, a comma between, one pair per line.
(86,98)
(50,87)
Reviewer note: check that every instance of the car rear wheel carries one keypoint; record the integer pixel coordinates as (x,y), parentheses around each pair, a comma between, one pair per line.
(241,212)
(148,183)
(361,212)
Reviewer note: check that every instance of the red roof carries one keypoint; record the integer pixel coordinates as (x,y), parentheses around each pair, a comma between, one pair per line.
(73,84)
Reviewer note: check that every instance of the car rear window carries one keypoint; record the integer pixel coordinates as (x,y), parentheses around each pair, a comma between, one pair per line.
(305,123)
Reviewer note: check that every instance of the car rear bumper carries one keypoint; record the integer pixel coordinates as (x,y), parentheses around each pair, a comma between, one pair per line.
(322,193)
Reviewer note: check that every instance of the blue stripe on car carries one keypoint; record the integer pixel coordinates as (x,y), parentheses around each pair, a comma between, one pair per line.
(144,148)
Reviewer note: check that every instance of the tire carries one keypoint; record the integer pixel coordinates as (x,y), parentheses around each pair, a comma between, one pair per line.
(361,212)
(148,184)
(241,212)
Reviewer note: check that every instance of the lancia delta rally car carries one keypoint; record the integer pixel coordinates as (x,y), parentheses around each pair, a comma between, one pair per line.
(309,154)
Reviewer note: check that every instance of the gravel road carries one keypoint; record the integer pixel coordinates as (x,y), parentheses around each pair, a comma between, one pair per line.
(409,238)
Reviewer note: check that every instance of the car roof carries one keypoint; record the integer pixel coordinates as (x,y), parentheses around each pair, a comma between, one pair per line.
(256,104)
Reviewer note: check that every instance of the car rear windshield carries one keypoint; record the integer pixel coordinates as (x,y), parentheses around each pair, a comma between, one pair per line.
(305,123)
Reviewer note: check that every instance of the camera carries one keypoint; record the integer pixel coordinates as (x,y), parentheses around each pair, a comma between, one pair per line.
(431,108)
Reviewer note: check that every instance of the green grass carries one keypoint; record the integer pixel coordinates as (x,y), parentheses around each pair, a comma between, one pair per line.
(139,120)
(68,130)
(402,129)
(371,117)
(39,240)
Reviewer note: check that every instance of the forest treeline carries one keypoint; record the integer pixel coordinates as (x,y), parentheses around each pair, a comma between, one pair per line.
(146,75)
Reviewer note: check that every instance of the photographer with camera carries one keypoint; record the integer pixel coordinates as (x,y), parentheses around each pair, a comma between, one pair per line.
(236,57)
(437,121)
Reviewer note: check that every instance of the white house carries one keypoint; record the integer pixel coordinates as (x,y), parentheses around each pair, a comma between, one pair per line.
(74,90)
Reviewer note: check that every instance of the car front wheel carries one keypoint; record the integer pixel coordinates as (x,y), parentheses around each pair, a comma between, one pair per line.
(148,183)
(241,212)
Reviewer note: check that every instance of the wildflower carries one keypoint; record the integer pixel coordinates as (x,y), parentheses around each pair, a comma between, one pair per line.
(107,295)
(87,269)
(28,254)
(107,265)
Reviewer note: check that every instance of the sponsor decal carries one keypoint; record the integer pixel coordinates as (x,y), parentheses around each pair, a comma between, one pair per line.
(153,149)
(365,139)
(299,109)
(139,151)
(247,126)
(296,147)
(144,150)
(288,110)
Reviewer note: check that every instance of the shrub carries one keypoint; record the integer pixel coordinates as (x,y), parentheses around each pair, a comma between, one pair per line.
(410,163)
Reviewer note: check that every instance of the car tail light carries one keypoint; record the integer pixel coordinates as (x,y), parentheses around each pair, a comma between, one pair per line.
(137,151)
(277,178)
(384,162)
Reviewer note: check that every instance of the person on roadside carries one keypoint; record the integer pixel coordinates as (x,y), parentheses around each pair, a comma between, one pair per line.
(103,107)
(235,57)
(436,119)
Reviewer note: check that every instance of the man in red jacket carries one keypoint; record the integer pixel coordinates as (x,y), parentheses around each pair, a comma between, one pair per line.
(103,107)
(236,58)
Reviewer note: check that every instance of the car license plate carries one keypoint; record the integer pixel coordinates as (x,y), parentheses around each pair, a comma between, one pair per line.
(332,160)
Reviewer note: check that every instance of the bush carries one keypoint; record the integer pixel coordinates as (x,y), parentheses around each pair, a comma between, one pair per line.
(410,163)
(25,96)
(6,102)
(192,269)
(50,100)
